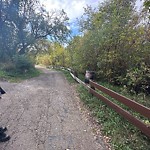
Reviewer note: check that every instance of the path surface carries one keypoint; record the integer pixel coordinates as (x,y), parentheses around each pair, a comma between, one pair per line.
(42,114)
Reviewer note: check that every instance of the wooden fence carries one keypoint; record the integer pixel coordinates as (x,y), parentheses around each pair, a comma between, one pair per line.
(126,101)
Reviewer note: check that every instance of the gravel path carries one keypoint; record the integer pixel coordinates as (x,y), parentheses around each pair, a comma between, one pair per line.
(42,114)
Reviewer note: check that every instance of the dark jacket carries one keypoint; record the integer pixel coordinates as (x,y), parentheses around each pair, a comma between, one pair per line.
(2,91)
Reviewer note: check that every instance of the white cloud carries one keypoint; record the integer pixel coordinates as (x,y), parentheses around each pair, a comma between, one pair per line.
(139,4)
(73,8)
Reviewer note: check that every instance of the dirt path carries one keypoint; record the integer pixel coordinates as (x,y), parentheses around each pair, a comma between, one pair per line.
(42,114)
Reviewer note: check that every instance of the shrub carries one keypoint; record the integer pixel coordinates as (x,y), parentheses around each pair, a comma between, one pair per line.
(138,79)
(22,63)
(8,67)
(44,59)
(112,69)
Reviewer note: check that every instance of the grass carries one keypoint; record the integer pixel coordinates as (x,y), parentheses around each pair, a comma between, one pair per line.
(68,76)
(17,77)
(124,136)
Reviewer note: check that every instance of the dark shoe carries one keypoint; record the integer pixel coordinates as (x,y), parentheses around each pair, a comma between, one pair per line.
(4,137)
(3,129)
(2,91)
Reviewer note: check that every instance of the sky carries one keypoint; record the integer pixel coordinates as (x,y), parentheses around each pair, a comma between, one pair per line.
(74,8)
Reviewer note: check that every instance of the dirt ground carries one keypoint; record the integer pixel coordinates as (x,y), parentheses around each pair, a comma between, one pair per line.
(42,113)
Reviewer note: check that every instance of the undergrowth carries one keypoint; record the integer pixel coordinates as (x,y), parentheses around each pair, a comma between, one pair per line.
(14,76)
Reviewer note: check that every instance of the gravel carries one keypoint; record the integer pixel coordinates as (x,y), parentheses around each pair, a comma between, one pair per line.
(43,113)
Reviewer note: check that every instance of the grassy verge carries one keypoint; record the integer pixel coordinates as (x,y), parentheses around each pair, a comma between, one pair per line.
(17,77)
(68,76)
(124,136)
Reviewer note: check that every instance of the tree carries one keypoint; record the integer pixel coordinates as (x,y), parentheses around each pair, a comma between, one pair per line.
(104,29)
(54,54)
(24,22)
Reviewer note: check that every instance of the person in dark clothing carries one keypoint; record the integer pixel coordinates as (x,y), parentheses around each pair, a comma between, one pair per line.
(89,75)
(3,136)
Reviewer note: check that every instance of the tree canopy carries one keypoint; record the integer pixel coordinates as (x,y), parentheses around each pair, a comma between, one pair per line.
(24,22)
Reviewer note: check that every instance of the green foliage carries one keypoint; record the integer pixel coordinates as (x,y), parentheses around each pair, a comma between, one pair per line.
(138,79)
(22,63)
(55,56)
(147,5)
(75,55)
(43,59)
(112,68)
(68,76)
(8,67)
(9,74)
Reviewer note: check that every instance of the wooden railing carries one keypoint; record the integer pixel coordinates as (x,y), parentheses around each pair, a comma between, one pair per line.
(128,102)
(144,111)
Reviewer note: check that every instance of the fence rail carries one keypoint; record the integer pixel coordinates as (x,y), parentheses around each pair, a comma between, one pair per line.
(136,122)
(126,101)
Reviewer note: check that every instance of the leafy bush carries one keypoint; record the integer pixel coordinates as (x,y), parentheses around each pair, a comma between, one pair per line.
(8,67)
(44,59)
(22,63)
(112,68)
(138,79)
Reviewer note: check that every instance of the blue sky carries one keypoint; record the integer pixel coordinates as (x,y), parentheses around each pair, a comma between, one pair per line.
(74,8)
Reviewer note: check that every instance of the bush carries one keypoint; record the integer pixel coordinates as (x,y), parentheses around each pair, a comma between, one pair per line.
(44,59)
(138,79)
(8,67)
(113,69)
(22,63)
